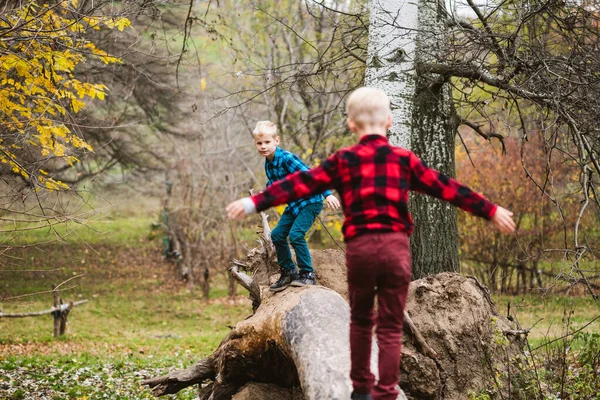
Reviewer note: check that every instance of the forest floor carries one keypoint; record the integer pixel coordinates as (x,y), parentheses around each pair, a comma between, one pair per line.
(140,321)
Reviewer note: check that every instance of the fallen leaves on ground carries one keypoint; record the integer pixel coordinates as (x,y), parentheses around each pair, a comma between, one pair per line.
(77,379)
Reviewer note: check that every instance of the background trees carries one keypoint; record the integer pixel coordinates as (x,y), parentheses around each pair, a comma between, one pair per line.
(82,93)
(524,71)
(40,96)
(528,59)
(186,100)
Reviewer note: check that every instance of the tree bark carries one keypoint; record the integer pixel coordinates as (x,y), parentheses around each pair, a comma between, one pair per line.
(434,243)
(391,61)
(422,114)
(282,343)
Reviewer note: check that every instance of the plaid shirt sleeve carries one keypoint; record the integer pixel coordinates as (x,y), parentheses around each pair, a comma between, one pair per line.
(293,163)
(434,183)
(301,183)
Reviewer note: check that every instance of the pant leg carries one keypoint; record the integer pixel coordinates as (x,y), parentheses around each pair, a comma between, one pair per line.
(279,236)
(392,289)
(361,295)
(304,221)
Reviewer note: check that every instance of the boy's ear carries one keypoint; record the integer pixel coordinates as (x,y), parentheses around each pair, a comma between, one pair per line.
(277,139)
(351,124)
(388,123)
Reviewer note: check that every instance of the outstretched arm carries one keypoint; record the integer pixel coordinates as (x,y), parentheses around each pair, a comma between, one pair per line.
(436,184)
(503,221)
(293,164)
(293,187)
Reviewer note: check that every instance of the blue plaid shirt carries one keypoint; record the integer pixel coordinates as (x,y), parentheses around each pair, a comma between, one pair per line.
(283,164)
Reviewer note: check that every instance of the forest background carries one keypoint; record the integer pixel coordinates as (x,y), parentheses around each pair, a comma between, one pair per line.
(126,129)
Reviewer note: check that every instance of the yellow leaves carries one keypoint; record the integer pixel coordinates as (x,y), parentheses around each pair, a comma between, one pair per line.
(80,143)
(77,105)
(280,209)
(37,80)
(8,62)
(52,184)
(120,23)
(102,55)
(123,23)
(22,68)
(203,84)
(64,61)
(89,89)
(93,22)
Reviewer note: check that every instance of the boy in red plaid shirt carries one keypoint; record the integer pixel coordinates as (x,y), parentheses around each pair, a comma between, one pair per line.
(373,179)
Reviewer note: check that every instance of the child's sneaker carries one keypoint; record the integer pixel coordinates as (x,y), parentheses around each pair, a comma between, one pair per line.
(304,279)
(286,277)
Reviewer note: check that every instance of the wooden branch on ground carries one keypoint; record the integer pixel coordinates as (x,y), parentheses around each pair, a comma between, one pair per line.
(175,381)
(60,308)
(516,332)
(266,228)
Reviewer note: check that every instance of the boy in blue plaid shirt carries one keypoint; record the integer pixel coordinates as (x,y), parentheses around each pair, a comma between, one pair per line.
(297,217)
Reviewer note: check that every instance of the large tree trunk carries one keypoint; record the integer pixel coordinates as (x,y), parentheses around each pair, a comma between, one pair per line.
(402,35)
(434,243)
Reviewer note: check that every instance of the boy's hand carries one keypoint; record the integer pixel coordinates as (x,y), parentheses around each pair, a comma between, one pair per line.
(332,202)
(502,219)
(235,210)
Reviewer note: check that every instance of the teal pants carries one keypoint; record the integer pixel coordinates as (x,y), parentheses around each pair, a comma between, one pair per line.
(295,227)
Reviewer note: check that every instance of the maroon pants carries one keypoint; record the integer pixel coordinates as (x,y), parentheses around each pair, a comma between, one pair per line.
(378,265)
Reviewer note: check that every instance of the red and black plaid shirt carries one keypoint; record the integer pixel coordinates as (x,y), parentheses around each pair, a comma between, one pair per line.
(373,179)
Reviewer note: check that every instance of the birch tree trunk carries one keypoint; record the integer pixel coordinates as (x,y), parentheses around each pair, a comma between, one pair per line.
(391,61)
(401,35)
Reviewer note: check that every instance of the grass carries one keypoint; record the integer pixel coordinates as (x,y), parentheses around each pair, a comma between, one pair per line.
(98,230)
(550,316)
(139,320)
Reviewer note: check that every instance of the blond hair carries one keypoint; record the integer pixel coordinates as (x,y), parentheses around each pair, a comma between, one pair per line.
(368,106)
(265,128)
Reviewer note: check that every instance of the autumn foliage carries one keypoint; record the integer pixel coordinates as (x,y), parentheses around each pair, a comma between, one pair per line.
(41,45)
(542,188)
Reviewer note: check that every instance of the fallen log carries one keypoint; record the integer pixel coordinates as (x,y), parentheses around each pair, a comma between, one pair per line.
(298,340)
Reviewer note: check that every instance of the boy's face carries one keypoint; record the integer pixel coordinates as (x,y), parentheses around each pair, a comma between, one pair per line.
(266,145)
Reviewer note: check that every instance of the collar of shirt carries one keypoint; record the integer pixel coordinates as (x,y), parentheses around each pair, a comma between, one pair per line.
(276,157)
(373,137)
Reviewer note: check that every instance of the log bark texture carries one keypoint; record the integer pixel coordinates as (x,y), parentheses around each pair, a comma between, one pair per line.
(297,338)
